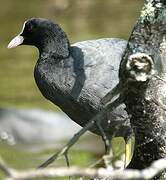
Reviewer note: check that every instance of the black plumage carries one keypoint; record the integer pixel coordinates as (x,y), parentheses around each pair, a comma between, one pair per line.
(75,77)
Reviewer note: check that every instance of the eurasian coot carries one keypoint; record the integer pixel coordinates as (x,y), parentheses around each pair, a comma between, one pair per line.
(75,77)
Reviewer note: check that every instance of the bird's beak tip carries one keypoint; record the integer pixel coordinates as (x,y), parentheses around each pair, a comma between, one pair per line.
(18,40)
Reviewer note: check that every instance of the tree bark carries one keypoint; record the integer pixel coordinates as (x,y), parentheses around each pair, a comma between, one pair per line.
(142,72)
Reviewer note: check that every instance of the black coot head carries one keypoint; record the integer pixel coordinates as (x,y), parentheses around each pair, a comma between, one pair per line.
(33,30)
(43,34)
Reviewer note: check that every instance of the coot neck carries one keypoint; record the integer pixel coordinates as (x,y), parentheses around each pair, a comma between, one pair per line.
(53,44)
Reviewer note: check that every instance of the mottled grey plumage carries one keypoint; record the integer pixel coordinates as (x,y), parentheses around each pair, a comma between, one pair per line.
(77,83)
(77,77)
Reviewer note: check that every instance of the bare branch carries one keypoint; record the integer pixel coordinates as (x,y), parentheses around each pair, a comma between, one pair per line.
(4,168)
(68,145)
(97,118)
(128,174)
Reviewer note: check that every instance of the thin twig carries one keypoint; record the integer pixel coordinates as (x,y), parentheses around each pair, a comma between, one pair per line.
(104,137)
(68,145)
(67,159)
(158,103)
(93,165)
(109,96)
(109,107)
(67,162)
(160,78)
(4,168)
(96,163)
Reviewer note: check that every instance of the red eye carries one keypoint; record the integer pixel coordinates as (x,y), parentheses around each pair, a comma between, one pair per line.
(30,29)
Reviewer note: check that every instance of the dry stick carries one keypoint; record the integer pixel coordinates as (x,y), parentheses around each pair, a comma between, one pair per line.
(111,94)
(75,138)
(67,159)
(93,165)
(104,137)
(107,100)
(4,168)
(67,162)
(160,78)
(68,145)
(128,174)
(158,103)
(96,163)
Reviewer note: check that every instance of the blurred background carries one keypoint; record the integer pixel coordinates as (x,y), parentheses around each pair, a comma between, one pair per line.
(26,118)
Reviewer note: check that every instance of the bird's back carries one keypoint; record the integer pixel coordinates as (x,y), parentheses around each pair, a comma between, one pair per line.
(97,60)
(77,84)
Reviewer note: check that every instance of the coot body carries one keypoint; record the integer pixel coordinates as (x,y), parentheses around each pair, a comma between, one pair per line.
(75,77)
